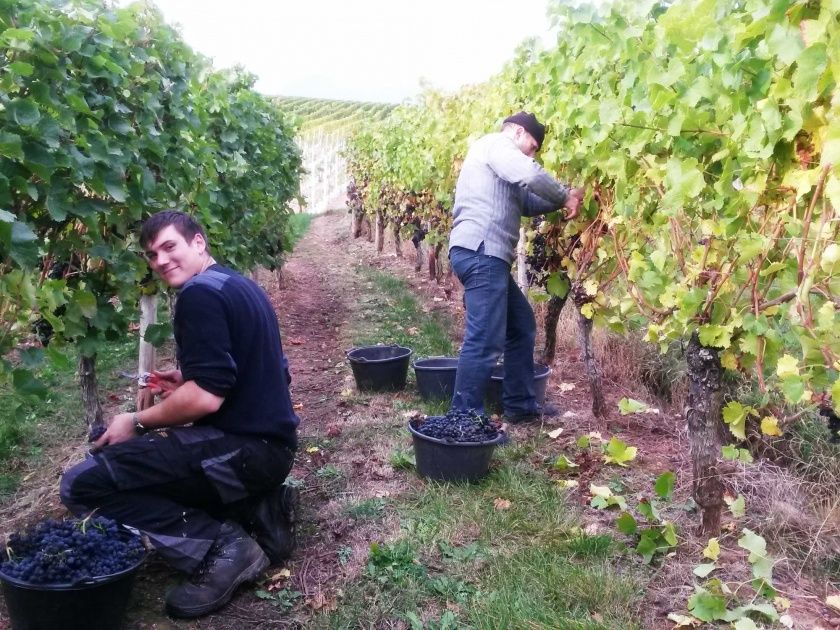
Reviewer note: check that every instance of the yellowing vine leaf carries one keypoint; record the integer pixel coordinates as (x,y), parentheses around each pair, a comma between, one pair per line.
(735,415)
(736,506)
(712,550)
(618,452)
(590,287)
(770,426)
(627,406)
(603,498)
(729,361)
(787,366)
(781,603)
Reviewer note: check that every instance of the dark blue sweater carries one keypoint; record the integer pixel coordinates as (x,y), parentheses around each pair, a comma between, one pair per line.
(228,342)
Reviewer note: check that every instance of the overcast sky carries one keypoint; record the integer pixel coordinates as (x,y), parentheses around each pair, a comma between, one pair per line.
(371,50)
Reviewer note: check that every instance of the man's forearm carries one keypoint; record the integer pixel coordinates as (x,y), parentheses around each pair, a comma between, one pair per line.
(536,205)
(547,188)
(186,404)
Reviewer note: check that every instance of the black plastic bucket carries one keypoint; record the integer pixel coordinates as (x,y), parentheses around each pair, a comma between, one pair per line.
(436,377)
(379,368)
(99,604)
(493,397)
(452,461)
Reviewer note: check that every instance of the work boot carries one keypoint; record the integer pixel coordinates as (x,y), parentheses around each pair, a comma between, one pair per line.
(274,522)
(233,558)
(546,411)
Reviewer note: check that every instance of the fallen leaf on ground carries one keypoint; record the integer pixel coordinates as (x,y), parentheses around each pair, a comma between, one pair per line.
(412,332)
(296,342)
(319,601)
(282,574)
(333,430)
(297,406)
(781,603)
(567,483)
(437,299)
(570,414)
(592,529)
(833,601)
(501,504)
(683,621)
(555,434)
(312,449)
(566,387)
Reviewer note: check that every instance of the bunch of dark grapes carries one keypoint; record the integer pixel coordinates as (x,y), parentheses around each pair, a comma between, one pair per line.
(541,259)
(70,551)
(459,426)
(833,423)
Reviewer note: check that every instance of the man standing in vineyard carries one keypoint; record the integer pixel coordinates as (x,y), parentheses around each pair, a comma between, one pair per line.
(192,488)
(499,183)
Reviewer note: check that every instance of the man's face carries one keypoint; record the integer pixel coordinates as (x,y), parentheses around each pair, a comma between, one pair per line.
(525,142)
(175,259)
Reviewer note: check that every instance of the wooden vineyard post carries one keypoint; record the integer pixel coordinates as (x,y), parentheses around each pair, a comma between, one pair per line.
(146,363)
(521,263)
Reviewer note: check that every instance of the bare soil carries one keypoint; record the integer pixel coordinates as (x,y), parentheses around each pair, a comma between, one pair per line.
(315,297)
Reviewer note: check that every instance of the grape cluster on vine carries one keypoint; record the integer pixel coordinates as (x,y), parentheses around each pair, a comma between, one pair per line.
(70,551)
(459,426)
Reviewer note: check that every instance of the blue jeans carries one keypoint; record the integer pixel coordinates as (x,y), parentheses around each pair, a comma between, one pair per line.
(499,320)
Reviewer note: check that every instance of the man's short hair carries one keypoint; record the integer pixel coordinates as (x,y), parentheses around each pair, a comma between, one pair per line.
(184,223)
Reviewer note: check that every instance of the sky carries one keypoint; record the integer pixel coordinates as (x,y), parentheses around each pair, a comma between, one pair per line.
(368,50)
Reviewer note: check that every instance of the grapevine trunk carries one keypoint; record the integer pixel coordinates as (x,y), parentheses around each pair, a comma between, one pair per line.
(599,407)
(397,241)
(380,232)
(90,390)
(552,315)
(703,414)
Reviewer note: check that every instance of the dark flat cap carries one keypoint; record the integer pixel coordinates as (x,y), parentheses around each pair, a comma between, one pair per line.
(530,124)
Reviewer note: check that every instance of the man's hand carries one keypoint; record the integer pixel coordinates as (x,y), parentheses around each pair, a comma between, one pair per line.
(120,429)
(573,203)
(164,382)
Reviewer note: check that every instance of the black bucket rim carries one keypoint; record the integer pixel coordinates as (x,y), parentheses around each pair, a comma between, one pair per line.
(416,364)
(399,357)
(546,374)
(501,434)
(76,586)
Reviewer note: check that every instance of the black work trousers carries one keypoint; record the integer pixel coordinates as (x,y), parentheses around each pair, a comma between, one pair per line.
(177,485)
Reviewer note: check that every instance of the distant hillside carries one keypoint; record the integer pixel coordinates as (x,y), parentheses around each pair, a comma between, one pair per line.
(329,115)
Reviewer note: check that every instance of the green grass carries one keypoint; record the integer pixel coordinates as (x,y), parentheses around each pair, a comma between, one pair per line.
(391,313)
(298,225)
(462,559)
(525,566)
(368,509)
(29,424)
